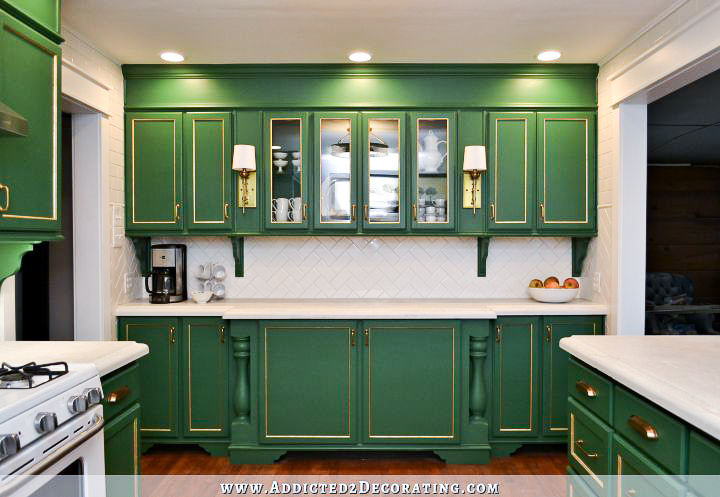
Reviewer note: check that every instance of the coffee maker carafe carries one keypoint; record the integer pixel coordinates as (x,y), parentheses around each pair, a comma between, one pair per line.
(168,274)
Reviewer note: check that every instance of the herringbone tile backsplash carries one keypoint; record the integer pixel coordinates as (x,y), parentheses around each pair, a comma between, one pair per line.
(380,267)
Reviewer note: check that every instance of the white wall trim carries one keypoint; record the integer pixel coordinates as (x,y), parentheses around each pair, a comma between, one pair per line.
(83,88)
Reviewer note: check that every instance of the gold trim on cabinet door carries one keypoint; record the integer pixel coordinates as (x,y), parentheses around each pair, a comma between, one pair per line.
(532,398)
(302,170)
(452,380)
(132,162)
(222,166)
(400,175)
(320,148)
(136,465)
(525,175)
(221,407)
(447,169)
(587,169)
(54,216)
(576,457)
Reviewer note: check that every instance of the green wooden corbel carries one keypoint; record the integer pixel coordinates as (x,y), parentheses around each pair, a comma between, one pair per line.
(483,247)
(238,250)
(11,254)
(142,252)
(579,251)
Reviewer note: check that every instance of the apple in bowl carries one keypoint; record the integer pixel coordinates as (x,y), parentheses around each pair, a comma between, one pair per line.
(551,291)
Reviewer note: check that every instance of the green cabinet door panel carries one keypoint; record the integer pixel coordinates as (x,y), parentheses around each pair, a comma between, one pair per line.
(566,171)
(30,172)
(158,373)
(308,377)
(515,377)
(471,131)
(637,475)
(555,367)
(43,15)
(511,171)
(205,378)
(410,379)
(248,130)
(153,159)
(207,139)
(122,453)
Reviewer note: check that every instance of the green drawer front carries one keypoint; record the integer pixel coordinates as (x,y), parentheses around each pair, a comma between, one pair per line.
(120,390)
(670,446)
(590,390)
(638,476)
(589,447)
(704,459)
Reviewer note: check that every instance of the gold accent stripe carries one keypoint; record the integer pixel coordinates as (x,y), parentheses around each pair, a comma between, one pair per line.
(136,465)
(525,172)
(222,168)
(221,406)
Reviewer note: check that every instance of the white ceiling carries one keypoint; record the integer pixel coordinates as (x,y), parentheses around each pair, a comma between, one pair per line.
(276,31)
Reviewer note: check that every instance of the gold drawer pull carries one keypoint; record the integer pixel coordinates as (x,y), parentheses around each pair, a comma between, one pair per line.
(226,210)
(585,388)
(118,395)
(492,211)
(581,445)
(645,429)
(353,211)
(367,215)
(7,197)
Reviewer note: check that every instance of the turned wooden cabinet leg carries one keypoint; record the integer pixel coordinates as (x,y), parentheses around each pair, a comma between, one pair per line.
(241,352)
(478,393)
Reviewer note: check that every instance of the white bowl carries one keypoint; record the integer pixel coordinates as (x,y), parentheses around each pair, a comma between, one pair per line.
(553,295)
(280,163)
(201,297)
(296,162)
(279,155)
(296,155)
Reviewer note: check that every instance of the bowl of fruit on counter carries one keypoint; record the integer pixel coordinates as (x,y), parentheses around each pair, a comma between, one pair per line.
(552,291)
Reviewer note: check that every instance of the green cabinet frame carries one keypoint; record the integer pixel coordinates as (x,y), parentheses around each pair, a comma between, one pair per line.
(122,453)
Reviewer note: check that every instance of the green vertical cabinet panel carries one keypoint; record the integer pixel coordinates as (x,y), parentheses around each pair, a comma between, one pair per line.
(158,372)
(566,172)
(305,179)
(471,131)
(43,15)
(247,129)
(555,367)
(451,150)
(205,377)
(30,172)
(320,197)
(424,410)
(122,454)
(207,139)
(515,377)
(638,475)
(511,171)
(308,388)
(364,196)
(153,156)
(703,459)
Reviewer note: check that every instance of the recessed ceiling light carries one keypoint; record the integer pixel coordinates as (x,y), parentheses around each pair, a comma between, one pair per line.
(548,55)
(359,56)
(172,57)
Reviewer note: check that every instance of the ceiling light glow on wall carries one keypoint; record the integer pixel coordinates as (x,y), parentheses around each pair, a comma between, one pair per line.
(548,55)
(359,56)
(172,57)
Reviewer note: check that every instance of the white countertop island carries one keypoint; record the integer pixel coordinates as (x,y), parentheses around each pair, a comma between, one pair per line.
(679,373)
(107,356)
(363,309)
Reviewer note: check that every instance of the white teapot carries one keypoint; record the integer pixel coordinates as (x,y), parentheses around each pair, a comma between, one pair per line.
(430,159)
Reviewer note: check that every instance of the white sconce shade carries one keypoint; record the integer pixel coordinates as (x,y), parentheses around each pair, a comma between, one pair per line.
(475,158)
(244,158)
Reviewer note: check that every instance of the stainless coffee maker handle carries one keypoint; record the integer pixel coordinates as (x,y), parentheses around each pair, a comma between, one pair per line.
(147,279)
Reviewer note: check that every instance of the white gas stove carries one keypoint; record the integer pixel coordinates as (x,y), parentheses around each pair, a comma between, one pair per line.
(51,424)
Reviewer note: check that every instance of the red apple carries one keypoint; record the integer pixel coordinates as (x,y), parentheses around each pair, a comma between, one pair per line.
(571,283)
(552,282)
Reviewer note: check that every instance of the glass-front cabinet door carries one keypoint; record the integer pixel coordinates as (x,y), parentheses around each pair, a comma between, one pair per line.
(383,183)
(335,178)
(285,156)
(433,179)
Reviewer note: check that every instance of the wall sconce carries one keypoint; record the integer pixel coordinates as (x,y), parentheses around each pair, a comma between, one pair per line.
(244,164)
(474,163)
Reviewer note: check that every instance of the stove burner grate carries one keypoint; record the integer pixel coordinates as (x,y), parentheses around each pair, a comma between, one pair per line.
(19,377)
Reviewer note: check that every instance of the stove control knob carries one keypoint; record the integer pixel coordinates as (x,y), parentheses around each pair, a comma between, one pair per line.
(9,445)
(94,396)
(77,404)
(45,422)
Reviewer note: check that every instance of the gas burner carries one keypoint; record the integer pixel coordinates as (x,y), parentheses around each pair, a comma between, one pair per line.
(30,375)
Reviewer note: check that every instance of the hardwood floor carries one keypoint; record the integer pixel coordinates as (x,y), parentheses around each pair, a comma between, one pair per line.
(189,460)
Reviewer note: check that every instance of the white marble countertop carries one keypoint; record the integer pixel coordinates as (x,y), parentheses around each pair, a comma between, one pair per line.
(107,356)
(678,373)
(363,308)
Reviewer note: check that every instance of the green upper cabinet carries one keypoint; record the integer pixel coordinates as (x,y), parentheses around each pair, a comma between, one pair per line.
(30,172)
(153,187)
(434,160)
(384,172)
(208,174)
(286,160)
(424,410)
(43,15)
(247,129)
(336,171)
(566,172)
(511,172)
(471,131)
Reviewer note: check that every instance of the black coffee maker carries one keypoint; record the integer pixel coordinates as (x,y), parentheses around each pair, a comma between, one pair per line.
(168,274)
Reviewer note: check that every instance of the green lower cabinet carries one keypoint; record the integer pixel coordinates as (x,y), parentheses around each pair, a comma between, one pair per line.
(122,453)
(703,465)
(410,381)
(308,388)
(639,476)
(589,448)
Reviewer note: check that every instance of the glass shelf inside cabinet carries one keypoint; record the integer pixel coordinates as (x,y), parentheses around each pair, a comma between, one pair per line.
(287,170)
(383,171)
(335,171)
(432,171)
